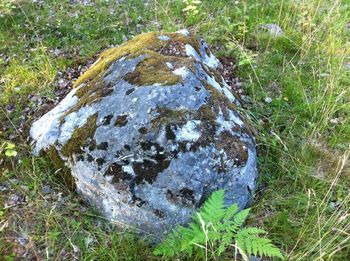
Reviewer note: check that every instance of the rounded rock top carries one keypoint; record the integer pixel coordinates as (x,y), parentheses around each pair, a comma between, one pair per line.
(150,131)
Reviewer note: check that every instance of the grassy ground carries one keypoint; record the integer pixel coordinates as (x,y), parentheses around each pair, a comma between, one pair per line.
(297,95)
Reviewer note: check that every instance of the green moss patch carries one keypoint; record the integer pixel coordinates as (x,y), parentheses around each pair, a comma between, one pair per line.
(87,95)
(168,116)
(147,41)
(153,69)
(58,163)
(79,137)
(233,147)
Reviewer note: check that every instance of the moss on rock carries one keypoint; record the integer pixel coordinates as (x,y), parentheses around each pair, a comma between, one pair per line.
(58,163)
(168,116)
(235,148)
(150,71)
(79,137)
(218,98)
(106,58)
(148,41)
(153,69)
(87,95)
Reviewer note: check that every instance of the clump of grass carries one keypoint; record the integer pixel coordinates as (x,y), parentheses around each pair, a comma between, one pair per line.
(53,222)
(23,79)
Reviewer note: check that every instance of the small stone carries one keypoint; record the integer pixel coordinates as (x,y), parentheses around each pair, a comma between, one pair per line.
(268,99)
(24,188)
(3,188)
(23,241)
(14,200)
(339,120)
(46,189)
(347,25)
(273,29)
(88,241)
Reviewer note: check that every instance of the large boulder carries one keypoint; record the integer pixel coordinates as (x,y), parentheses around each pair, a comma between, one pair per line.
(150,131)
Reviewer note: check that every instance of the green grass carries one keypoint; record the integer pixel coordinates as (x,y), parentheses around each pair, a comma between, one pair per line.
(303,134)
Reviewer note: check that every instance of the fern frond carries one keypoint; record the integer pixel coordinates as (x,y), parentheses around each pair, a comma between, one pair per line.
(254,230)
(213,209)
(170,246)
(226,240)
(216,227)
(231,212)
(248,241)
(240,217)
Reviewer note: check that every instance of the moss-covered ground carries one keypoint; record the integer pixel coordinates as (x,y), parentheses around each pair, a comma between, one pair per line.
(297,95)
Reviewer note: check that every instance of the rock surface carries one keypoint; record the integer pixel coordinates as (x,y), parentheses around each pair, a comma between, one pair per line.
(150,131)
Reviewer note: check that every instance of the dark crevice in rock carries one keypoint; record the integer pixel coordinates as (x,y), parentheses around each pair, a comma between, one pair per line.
(138,201)
(148,169)
(187,196)
(107,120)
(142,130)
(121,121)
(102,146)
(159,213)
(184,197)
(117,172)
(89,158)
(100,161)
(147,145)
(169,133)
(129,91)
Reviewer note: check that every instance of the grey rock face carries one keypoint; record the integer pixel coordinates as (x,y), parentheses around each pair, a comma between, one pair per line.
(150,131)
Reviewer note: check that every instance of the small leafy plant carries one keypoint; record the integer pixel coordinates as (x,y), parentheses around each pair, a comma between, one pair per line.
(191,6)
(9,149)
(215,229)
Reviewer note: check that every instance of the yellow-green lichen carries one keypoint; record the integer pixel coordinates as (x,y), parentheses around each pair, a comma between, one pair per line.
(79,137)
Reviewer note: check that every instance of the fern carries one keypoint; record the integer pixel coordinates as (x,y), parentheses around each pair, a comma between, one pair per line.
(248,241)
(213,230)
